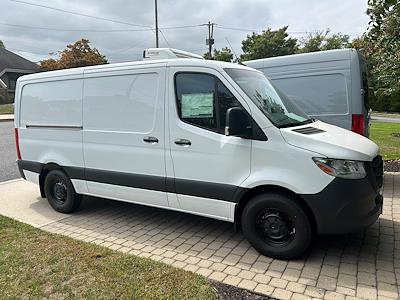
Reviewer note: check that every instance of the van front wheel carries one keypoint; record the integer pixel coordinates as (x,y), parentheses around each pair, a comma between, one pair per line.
(60,192)
(277,226)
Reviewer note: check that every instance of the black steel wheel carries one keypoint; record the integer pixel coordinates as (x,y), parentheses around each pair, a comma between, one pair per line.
(60,192)
(276,225)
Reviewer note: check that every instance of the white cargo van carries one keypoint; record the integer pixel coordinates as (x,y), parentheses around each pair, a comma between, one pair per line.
(331,85)
(203,137)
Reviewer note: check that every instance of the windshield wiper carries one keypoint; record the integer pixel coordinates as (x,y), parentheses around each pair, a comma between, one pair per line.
(292,124)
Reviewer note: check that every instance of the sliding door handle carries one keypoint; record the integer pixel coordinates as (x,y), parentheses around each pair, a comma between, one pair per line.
(183,142)
(150,139)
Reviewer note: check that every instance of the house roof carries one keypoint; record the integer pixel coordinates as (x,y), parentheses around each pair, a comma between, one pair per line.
(10,60)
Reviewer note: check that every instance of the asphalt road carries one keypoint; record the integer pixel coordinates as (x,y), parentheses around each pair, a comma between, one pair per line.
(386,119)
(8,166)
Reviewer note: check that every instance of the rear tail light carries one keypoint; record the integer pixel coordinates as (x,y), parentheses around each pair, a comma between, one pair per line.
(17,143)
(357,123)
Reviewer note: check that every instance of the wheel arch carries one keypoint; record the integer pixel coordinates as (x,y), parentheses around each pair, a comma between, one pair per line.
(249,194)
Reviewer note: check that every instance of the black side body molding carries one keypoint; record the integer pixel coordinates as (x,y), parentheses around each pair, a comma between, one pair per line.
(212,190)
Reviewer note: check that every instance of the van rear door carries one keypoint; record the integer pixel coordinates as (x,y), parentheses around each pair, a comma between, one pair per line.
(49,122)
(123,134)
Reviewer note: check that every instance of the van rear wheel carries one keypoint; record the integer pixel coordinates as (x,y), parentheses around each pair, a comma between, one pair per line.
(60,192)
(277,226)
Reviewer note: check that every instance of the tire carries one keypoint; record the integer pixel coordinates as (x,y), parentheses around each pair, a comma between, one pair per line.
(61,193)
(277,226)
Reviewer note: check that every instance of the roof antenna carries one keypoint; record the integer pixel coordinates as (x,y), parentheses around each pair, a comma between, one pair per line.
(234,53)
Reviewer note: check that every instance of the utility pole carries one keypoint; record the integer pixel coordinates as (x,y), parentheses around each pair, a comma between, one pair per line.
(156,12)
(210,40)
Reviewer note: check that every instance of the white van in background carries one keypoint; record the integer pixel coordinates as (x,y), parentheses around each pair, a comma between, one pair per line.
(328,85)
(203,137)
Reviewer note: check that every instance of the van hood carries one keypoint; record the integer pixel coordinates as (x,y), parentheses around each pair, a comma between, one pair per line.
(331,141)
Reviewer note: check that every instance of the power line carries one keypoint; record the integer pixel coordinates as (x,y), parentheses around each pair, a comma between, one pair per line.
(235,28)
(157,30)
(138,45)
(165,39)
(233,51)
(151,29)
(73,30)
(33,48)
(255,30)
(182,27)
(290,32)
(98,30)
(79,14)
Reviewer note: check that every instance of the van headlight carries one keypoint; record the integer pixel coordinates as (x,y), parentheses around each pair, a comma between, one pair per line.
(349,169)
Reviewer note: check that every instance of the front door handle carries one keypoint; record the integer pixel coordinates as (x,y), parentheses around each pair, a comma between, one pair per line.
(183,142)
(150,139)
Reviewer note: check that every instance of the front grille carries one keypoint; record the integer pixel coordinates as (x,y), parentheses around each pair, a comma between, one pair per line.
(377,168)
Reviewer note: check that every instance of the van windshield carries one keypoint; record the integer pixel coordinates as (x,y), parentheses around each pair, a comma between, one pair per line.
(275,105)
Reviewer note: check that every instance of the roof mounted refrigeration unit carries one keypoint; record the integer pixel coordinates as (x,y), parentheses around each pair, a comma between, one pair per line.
(167,53)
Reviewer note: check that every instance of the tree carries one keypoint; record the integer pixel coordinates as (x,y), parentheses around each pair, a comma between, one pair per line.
(383,51)
(2,44)
(313,42)
(78,54)
(360,43)
(225,54)
(336,41)
(268,43)
(320,41)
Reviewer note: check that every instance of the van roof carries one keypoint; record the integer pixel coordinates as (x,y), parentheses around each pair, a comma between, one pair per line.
(189,62)
(304,58)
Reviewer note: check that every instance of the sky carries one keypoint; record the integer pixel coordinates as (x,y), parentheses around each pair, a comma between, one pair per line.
(121,29)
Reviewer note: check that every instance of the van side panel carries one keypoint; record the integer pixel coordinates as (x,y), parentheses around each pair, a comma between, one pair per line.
(321,89)
(50,121)
(306,92)
(323,83)
(122,110)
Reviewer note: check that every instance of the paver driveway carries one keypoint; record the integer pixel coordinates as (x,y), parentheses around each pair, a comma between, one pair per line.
(365,265)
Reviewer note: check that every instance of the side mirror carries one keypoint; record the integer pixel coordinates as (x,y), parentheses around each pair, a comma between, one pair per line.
(237,123)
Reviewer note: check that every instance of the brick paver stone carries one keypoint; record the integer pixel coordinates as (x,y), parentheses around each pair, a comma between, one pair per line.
(364,265)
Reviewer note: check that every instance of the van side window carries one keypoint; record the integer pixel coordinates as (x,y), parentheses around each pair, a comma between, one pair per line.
(203,100)
(196,99)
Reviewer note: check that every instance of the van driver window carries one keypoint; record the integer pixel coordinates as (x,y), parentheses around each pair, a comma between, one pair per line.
(196,99)
(203,100)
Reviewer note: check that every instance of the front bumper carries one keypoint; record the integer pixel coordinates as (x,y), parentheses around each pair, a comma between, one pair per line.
(349,205)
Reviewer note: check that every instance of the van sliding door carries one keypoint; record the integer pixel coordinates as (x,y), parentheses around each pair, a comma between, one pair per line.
(123,134)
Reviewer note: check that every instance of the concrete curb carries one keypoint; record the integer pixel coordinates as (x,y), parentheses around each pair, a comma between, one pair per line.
(6,118)
(11,181)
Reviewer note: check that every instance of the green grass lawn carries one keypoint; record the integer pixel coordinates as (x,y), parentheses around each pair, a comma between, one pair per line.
(380,133)
(35,264)
(6,109)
